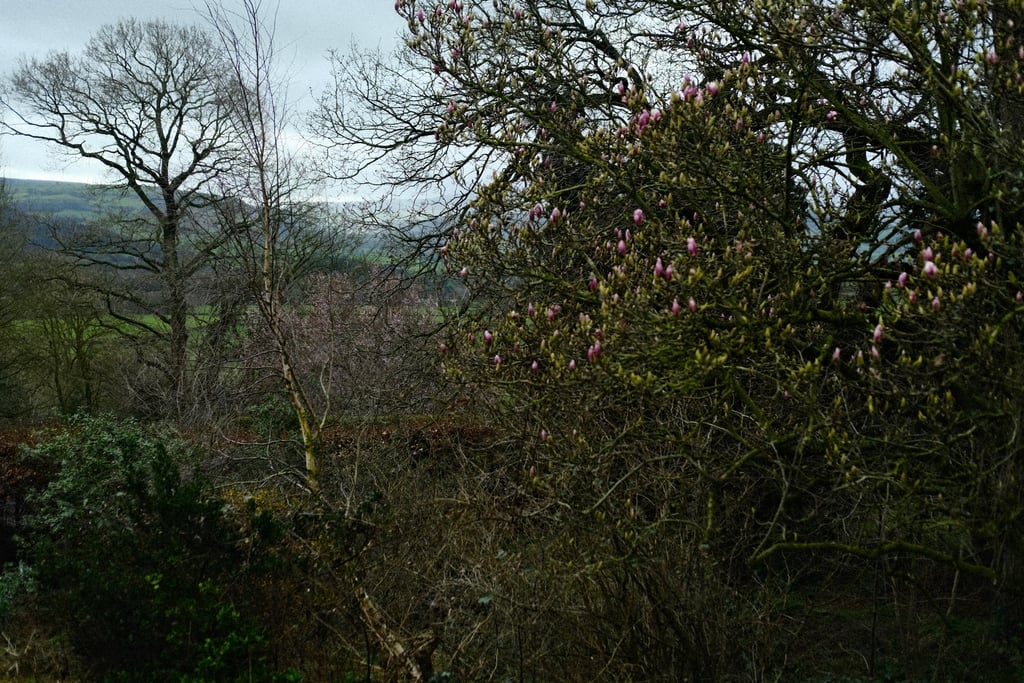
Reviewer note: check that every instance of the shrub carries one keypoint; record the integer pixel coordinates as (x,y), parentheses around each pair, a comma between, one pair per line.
(131,554)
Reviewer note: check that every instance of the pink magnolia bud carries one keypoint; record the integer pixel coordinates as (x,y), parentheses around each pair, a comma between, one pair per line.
(659,268)
(930,270)
(638,217)
(691,246)
(676,307)
(497,360)
(572,364)
(488,337)
(693,305)
(530,310)
(668,272)
(927,254)
(837,355)
(935,304)
(902,280)
(622,246)
(534,367)
(877,336)
(917,236)
(592,284)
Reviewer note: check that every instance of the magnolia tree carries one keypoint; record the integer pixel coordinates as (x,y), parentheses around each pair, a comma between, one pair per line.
(745,279)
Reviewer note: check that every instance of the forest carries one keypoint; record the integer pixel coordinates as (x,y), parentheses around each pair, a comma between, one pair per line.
(667,341)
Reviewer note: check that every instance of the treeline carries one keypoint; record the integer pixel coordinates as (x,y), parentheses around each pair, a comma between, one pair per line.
(723,382)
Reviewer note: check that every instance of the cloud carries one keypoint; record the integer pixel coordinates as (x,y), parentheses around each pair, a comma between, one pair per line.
(306,31)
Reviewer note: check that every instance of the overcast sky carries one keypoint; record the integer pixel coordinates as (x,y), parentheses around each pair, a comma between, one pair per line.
(306,30)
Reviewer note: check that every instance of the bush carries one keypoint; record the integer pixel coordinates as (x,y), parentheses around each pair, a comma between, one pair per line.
(131,556)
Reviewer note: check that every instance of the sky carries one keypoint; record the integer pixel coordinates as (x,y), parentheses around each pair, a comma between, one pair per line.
(306,31)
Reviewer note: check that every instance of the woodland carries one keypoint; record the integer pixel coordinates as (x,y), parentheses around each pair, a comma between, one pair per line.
(668,341)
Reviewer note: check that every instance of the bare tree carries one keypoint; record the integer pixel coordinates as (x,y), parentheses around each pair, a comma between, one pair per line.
(147,101)
(265,207)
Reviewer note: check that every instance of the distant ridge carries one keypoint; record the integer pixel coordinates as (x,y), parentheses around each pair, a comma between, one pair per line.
(69,201)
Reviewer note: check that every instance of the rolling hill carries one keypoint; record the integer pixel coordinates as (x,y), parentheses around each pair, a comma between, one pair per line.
(77,202)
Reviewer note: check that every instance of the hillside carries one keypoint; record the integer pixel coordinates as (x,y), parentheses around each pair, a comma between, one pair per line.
(67,201)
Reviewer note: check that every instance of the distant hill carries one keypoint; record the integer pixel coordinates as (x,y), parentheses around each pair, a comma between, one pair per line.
(69,204)
(76,202)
